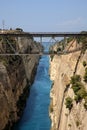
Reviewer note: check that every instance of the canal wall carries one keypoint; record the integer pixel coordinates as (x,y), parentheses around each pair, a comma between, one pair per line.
(62,68)
(16,75)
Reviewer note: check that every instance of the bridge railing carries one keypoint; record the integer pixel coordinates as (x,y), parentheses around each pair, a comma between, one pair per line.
(42,34)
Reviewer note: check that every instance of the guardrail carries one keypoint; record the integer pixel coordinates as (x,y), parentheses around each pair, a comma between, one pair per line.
(42,34)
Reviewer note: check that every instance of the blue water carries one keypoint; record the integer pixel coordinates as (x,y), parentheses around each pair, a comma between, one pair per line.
(36,113)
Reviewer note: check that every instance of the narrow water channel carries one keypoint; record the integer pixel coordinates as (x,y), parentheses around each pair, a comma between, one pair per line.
(36,113)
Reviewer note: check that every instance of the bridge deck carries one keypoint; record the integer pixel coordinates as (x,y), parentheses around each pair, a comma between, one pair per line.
(42,34)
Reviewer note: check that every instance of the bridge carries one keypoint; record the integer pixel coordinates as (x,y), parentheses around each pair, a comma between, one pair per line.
(41,35)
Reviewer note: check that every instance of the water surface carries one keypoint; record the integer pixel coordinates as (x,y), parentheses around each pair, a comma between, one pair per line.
(36,113)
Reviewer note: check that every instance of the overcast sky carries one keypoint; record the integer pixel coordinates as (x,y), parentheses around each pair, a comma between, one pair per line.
(44,15)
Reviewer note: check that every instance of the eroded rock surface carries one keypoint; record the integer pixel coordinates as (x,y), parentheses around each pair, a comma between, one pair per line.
(61,69)
(16,75)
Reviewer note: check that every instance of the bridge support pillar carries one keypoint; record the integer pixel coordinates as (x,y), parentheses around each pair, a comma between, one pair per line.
(41,40)
(65,42)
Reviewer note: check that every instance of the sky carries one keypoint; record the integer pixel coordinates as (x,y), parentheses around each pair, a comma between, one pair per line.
(44,15)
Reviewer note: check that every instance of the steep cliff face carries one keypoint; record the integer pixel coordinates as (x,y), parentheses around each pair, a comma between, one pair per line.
(62,69)
(16,75)
(12,82)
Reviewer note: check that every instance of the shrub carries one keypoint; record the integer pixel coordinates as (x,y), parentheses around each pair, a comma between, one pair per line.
(85,75)
(81,93)
(83,40)
(77,123)
(84,46)
(69,103)
(51,56)
(59,49)
(19,29)
(75,78)
(77,98)
(84,63)
(85,104)
(76,87)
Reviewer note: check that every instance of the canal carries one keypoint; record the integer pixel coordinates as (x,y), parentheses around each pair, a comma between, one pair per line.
(36,113)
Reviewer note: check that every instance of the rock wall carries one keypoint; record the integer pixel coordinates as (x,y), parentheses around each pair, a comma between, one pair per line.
(16,75)
(61,69)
